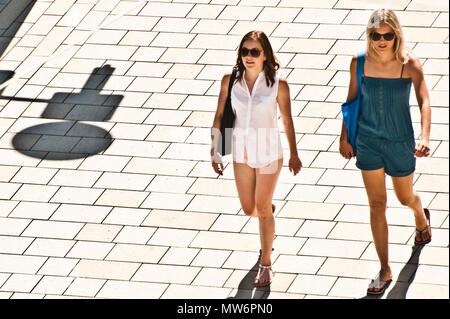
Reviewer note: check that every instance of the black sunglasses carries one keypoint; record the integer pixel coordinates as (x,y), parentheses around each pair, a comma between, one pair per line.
(387,36)
(253,52)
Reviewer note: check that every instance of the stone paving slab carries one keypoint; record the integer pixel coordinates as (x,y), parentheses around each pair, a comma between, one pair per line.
(106,190)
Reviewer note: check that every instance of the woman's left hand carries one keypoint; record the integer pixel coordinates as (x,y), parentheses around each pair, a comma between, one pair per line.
(295,165)
(422,148)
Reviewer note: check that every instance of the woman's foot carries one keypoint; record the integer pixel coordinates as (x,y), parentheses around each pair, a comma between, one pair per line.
(423,235)
(264,276)
(381,282)
(378,285)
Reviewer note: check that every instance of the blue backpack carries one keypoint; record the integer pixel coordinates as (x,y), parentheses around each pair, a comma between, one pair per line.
(350,109)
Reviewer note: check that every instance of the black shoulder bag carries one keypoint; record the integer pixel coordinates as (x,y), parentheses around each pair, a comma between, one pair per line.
(227,122)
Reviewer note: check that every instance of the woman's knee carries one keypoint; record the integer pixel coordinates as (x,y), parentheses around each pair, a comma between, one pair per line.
(378,204)
(264,209)
(408,200)
(249,210)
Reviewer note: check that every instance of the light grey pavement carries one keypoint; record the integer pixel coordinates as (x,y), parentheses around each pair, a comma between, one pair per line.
(106,189)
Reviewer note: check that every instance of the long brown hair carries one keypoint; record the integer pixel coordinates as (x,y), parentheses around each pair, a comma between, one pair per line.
(271,64)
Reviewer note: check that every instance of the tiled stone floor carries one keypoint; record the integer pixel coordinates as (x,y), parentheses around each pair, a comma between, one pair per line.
(106,190)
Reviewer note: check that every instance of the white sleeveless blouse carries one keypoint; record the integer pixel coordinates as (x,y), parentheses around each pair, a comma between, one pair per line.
(256,137)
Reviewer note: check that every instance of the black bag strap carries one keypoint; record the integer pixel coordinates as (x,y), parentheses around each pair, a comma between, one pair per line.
(230,85)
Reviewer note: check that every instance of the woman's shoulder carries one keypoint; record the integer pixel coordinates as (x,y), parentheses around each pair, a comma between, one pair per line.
(413,62)
(282,81)
(226,78)
(354,62)
(359,55)
(283,85)
(413,67)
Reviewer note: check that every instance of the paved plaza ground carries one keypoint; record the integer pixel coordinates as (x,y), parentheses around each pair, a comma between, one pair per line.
(106,186)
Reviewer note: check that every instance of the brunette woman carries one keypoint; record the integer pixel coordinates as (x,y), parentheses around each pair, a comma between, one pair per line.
(256,145)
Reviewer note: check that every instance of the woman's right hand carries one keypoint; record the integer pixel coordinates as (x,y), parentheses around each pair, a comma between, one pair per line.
(346,149)
(216,161)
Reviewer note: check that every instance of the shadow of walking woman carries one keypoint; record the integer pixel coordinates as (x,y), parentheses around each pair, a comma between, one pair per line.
(407,275)
(247,289)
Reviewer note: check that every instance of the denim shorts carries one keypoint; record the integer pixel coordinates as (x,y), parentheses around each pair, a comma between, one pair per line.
(397,157)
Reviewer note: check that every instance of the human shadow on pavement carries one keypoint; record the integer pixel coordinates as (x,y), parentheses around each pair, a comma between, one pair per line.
(407,275)
(75,129)
(247,289)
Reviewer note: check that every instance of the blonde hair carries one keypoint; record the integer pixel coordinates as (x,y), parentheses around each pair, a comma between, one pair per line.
(387,16)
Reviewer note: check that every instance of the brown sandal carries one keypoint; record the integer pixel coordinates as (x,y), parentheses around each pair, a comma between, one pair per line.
(427,229)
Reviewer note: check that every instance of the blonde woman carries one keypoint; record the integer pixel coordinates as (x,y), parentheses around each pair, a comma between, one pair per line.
(256,145)
(385,138)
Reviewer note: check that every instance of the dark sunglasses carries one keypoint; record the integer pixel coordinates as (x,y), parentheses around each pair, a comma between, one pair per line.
(253,52)
(387,36)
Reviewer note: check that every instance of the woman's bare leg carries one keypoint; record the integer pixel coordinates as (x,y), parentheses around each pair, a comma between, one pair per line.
(403,187)
(245,178)
(266,180)
(375,184)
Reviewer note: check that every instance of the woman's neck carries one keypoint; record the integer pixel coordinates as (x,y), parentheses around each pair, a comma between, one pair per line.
(252,74)
(385,57)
